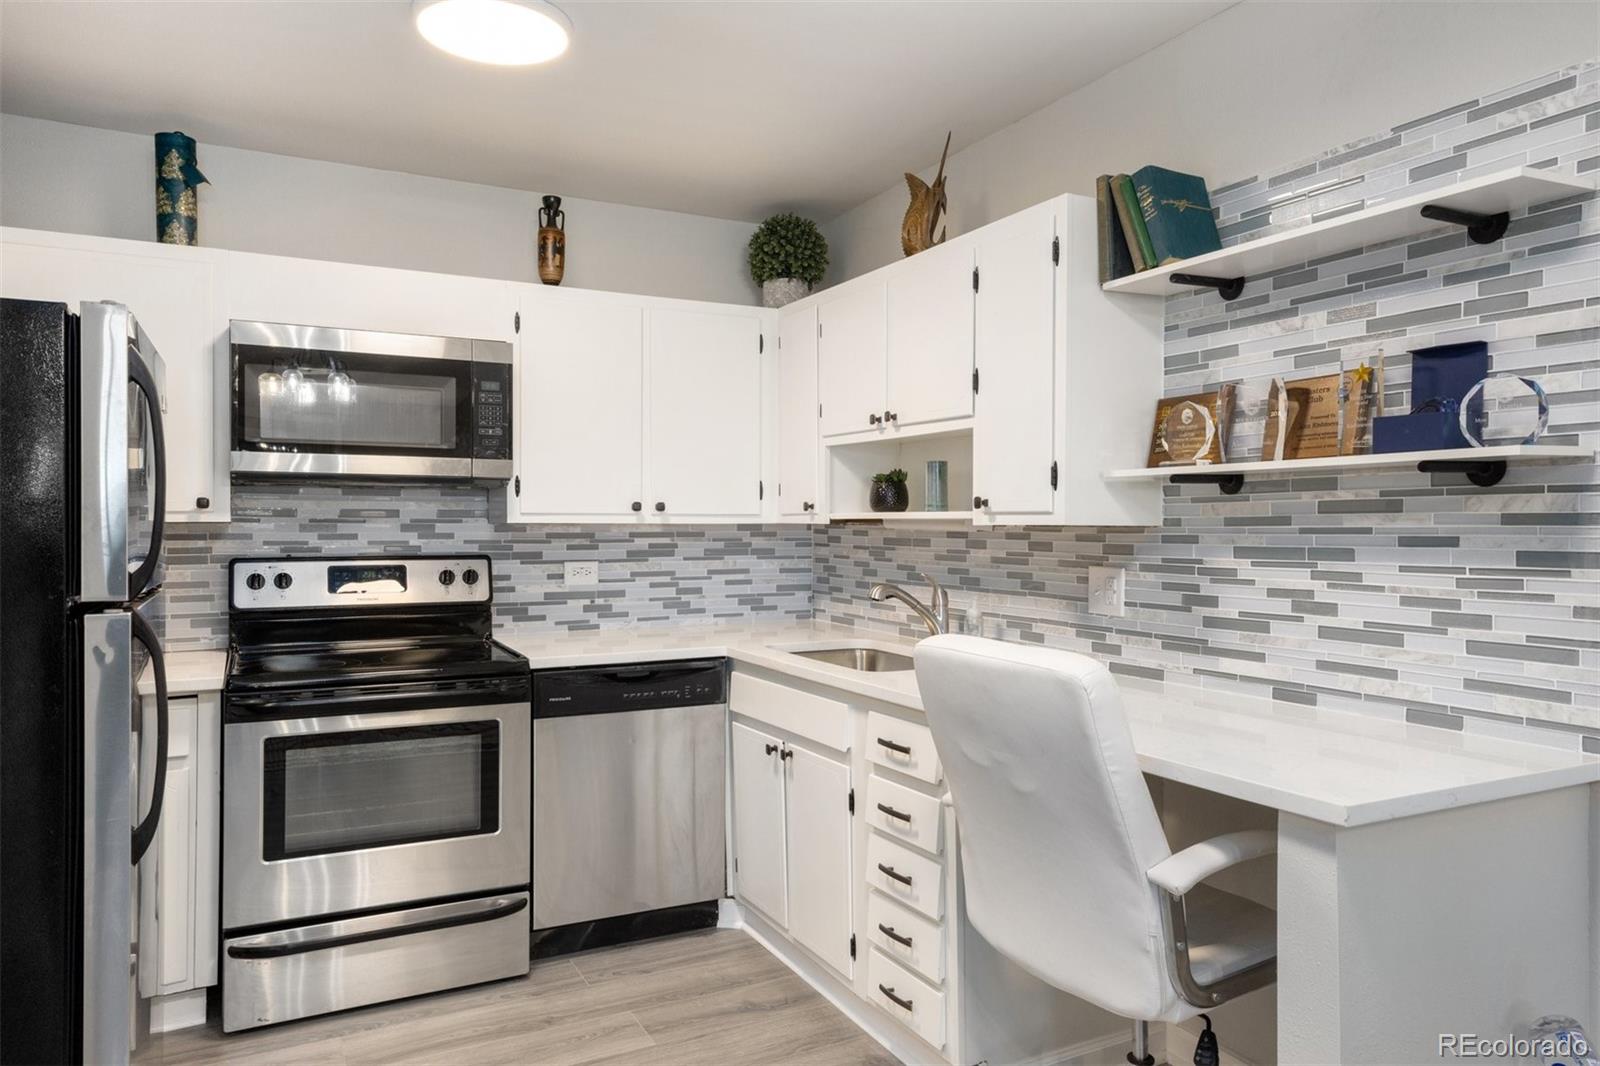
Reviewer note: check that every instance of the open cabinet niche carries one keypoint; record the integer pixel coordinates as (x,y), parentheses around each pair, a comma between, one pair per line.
(851,466)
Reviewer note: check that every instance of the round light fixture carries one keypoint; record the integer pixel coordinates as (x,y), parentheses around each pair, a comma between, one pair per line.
(506,33)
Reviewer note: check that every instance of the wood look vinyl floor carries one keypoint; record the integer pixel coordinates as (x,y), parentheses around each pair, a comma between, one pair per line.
(714,998)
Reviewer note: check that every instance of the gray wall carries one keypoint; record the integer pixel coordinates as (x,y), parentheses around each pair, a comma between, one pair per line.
(76,179)
(1237,95)
(1396,593)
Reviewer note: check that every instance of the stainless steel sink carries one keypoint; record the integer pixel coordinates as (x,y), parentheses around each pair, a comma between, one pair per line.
(870,660)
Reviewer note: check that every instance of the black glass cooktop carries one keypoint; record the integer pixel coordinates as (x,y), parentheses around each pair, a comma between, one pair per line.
(286,666)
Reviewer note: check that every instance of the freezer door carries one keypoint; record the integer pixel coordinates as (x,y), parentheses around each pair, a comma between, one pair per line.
(122,456)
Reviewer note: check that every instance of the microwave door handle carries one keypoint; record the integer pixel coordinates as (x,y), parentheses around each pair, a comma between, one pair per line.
(145,832)
(139,374)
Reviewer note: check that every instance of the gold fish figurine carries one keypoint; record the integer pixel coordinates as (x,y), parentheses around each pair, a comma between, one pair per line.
(928,203)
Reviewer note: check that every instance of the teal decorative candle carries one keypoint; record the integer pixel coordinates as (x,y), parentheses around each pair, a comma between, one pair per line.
(177,178)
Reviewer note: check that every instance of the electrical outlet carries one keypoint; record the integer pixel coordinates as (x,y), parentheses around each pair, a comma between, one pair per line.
(1106,590)
(580,575)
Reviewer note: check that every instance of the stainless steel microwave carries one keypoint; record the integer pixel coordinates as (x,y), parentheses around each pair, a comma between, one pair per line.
(309,401)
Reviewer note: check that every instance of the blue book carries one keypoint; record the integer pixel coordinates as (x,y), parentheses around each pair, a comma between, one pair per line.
(1177,213)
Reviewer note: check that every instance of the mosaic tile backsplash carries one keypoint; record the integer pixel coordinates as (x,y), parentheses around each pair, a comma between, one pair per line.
(654,576)
(1393,592)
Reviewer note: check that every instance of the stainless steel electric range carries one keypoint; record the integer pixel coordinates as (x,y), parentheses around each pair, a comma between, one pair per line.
(376,786)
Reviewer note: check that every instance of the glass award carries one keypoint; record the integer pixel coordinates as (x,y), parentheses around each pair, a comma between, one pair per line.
(1504,409)
(1188,434)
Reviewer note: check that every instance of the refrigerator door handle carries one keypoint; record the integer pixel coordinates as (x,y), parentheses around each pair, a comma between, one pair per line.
(139,374)
(145,832)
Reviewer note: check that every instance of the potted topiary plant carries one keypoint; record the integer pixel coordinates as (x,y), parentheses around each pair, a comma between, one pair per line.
(889,491)
(787,256)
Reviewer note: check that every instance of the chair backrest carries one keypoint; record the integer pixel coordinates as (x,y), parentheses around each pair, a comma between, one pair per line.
(1056,824)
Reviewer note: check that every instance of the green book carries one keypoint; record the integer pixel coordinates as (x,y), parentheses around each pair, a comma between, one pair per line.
(1115,261)
(1176,212)
(1128,214)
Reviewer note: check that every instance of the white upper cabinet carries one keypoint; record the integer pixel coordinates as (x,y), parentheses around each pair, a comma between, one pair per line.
(704,455)
(170,292)
(929,300)
(580,411)
(1014,437)
(798,446)
(850,357)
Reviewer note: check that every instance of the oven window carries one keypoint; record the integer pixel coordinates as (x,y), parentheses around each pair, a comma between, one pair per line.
(347,791)
(292,400)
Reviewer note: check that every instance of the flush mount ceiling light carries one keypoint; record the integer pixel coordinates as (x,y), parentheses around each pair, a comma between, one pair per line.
(506,33)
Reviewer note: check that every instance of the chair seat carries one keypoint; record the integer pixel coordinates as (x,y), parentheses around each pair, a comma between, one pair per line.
(1227,933)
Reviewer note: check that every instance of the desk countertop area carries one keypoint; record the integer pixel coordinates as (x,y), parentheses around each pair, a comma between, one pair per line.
(1333,766)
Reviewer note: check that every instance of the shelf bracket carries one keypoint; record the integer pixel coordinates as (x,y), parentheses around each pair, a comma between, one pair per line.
(1481,472)
(1227,288)
(1227,484)
(1482,229)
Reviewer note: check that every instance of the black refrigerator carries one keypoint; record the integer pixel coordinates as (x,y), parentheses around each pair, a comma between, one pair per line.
(82,493)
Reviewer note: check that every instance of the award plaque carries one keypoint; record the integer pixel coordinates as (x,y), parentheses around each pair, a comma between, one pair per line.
(1504,409)
(1303,418)
(1359,401)
(1285,408)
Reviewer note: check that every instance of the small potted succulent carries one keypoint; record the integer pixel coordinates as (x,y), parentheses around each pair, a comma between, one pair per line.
(889,491)
(787,257)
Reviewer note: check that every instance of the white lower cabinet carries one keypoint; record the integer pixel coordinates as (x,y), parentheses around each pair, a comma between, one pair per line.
(911,1001)
(791,835)
(178,903)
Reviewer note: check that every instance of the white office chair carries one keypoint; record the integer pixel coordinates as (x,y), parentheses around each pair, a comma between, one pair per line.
(1068,872)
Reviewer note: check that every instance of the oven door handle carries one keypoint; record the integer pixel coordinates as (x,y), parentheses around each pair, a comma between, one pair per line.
(249,705)
(267,948)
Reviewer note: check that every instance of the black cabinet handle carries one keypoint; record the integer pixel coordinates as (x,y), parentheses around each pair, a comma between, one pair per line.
(808,507)
(890,416)
(202,503)
(661,505)
(892,813)
(637,506)
(771,748)
(979,503)
(903,1004)
(892,746)
(786,753)
(891,872)
(888,931)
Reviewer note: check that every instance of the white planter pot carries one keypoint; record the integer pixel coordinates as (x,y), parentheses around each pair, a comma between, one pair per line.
(779,291)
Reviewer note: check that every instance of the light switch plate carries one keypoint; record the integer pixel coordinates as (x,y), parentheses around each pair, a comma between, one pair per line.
(1106,591)
(580,575)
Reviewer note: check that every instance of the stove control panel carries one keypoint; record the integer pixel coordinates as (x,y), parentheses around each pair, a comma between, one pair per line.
(275,584)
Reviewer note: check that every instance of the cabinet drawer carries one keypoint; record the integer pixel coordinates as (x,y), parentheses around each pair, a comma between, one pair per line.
(903,875)
(890,925)
(915,1005)
(904,746)
(905,814)
(813,717)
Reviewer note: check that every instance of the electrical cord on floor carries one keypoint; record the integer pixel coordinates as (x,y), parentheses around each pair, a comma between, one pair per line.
(1205,1049)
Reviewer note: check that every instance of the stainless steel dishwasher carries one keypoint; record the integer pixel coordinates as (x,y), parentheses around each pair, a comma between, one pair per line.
(629,779)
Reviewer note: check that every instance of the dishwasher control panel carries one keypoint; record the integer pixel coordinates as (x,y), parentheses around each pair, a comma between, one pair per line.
(634,687)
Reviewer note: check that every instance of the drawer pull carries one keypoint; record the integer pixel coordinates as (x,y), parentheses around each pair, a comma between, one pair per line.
(888,931)
(896,875)
(892,746)
(892,813)
(903,1004)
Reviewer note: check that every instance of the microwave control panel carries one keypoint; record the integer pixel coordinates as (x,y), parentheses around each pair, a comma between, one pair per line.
(491,411)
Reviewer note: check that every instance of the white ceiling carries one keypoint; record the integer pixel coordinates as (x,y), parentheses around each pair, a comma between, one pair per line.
(731,109)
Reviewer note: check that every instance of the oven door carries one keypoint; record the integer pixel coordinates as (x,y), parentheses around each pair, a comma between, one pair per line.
(390,803)
(331,402)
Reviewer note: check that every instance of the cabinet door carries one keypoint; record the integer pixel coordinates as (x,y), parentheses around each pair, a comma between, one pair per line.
(172,299)
(798,442)
(705,414)
(850,358)
(1014,432)
(818,805)
(168,876)
(759,876)
(580,379)
(930,336)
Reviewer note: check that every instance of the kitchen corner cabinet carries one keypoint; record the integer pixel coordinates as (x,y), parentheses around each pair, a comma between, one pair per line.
(799,446)
(170,292)
(792,825)
(636,410)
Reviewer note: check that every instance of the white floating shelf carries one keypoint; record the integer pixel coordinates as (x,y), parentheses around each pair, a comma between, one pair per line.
(901,516)
(1490,464)
(1491,194)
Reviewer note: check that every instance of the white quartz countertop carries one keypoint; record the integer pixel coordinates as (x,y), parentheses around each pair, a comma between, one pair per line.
(1334,766)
